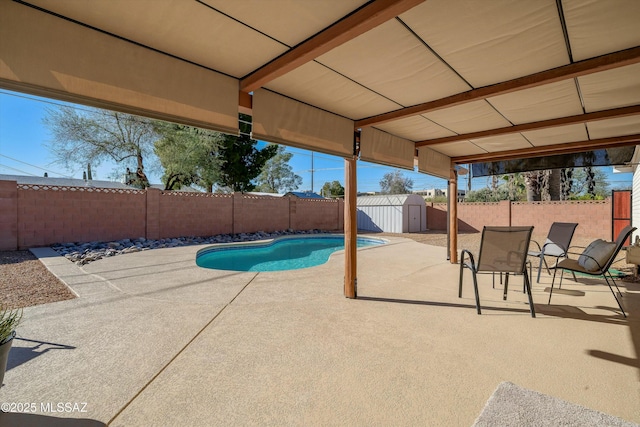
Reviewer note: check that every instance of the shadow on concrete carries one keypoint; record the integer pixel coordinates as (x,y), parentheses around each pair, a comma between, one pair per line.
(13,419)
(443,304)
(20,355)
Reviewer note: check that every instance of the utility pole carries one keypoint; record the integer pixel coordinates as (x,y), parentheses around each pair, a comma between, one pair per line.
(312,170)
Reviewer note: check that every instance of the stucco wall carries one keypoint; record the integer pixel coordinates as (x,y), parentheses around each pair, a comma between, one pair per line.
(593,216)
(32,215)
(78,214)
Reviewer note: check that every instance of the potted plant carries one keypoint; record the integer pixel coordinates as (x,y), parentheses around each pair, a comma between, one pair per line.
(9,320)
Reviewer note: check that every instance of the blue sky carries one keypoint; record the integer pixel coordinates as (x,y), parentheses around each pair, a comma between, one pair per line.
(24,151)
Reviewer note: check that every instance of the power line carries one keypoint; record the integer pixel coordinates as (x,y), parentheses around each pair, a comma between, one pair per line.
(34,166)
(17,170)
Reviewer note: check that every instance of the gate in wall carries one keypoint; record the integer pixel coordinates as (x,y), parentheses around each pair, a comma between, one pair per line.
(620,212)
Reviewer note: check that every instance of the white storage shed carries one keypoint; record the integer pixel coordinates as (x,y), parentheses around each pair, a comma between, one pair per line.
(396,213)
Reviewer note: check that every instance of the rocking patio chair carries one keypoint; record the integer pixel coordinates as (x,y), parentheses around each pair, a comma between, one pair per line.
(596,261)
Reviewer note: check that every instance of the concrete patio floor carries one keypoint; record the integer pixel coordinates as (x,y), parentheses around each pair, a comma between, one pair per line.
(155,340)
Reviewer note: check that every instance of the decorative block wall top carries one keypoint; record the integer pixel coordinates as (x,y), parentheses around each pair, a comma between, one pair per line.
(195,194)
(36,187)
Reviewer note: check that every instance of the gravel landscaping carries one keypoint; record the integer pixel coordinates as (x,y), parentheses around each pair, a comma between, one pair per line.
(25,281)
(84,253)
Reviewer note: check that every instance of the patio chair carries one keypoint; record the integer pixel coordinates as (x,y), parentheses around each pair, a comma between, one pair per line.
(596,261)
(556,245)
(502,250)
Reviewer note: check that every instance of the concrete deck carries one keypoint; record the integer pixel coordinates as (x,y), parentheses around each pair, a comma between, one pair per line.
(155,340)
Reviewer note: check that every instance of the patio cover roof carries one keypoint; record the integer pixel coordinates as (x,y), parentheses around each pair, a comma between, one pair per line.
(460,81)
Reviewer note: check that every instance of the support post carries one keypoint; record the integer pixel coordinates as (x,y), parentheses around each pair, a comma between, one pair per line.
(350,229)
(453,215)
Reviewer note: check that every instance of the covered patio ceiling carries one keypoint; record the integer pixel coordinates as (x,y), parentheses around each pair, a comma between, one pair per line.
(455,79)
(396,82)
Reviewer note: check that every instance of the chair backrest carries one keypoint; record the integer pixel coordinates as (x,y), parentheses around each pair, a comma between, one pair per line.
(504,249)
(559,238)
(622,237)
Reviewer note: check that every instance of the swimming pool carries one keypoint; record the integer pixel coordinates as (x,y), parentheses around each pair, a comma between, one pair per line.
(284,253)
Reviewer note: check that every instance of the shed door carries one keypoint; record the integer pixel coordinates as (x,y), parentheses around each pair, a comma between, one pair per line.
(414,218)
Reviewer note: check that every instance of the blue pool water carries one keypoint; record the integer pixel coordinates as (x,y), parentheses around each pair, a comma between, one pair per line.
(290,253)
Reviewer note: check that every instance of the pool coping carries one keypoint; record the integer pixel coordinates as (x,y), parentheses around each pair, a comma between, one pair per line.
(269,242)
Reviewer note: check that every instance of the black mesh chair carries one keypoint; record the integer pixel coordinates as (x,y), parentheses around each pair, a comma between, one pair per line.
(556,245)
(502,250)
(601,266)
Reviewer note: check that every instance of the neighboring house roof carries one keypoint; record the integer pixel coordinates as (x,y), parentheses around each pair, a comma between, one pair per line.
(75,182)
(390,200)
(304,195)
(183,189)
(63,182)
(260,193)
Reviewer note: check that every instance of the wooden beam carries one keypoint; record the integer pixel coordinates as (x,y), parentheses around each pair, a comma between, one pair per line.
(577,69)
(550,150)
(453,215)
(544,124)
(350,229)
(350,27)
(245,103)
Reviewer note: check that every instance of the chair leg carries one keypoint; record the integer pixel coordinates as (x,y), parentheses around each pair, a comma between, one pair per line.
(540,267)
(528,286)
(460,281)
(506,286)
(614,294)
(616,285)
(524,288)
(552,283)
(542,260)
(475,286)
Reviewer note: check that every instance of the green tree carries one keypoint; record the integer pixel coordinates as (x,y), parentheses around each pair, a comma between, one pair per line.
(488,195)
(515,186)
(91,136)
(241,161)
(589,183)
(277,175)
(188,155)
(332,189)
(395,183)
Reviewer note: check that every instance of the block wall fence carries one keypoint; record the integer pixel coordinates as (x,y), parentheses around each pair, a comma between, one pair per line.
(32,215)
(594,217)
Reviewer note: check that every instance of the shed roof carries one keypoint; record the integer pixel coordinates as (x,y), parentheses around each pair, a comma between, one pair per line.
(390,200)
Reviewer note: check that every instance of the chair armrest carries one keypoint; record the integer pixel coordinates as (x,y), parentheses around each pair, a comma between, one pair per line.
(537,244)
(574,253)
(471,264)
(600,267)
